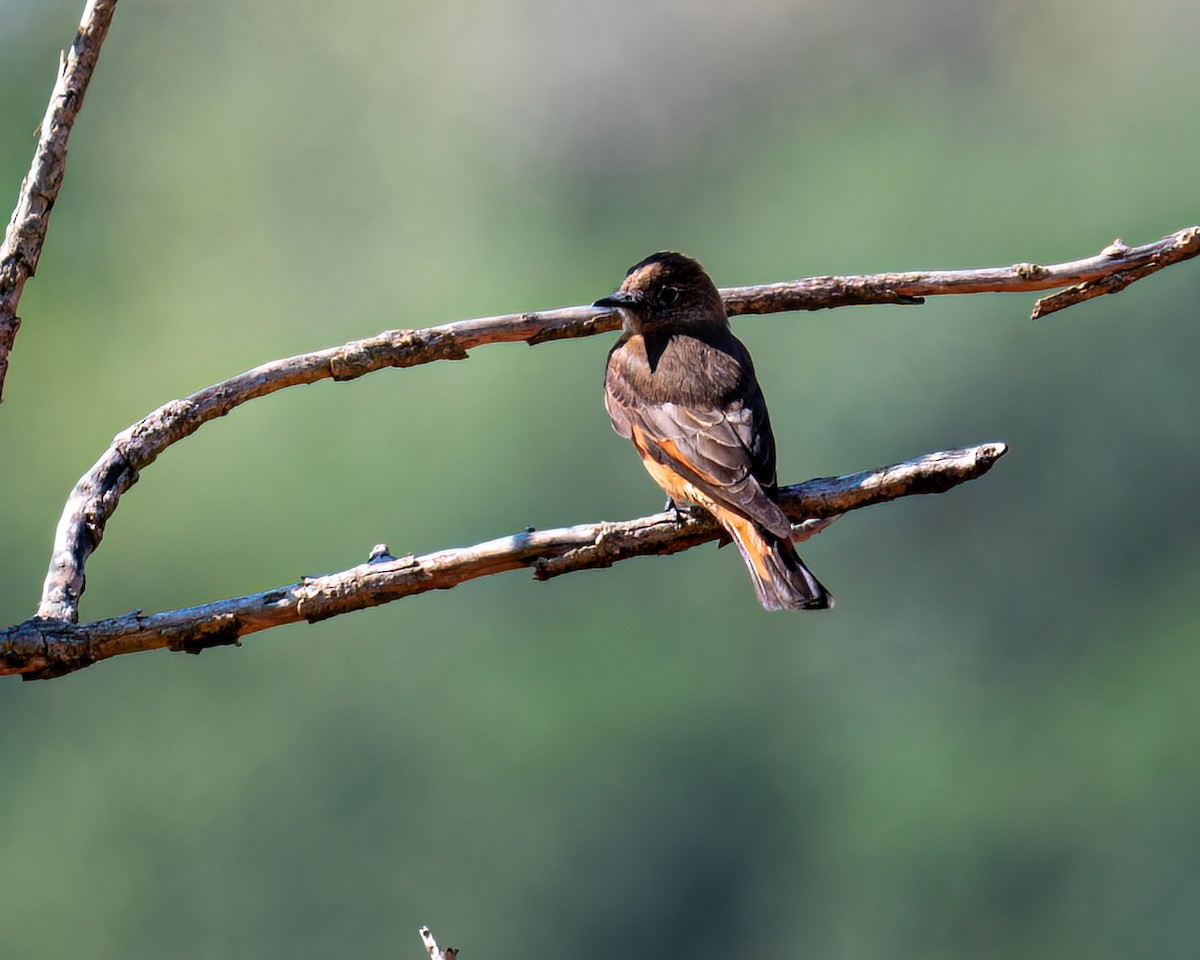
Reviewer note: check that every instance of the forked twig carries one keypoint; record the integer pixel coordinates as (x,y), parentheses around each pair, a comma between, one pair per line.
(98,492)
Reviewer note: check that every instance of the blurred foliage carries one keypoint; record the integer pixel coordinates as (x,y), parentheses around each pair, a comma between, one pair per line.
(988,750)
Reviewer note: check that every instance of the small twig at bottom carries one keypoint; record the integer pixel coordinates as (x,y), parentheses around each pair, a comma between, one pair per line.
(436,952)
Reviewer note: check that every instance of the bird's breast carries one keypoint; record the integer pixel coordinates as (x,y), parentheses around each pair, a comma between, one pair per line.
(678,368)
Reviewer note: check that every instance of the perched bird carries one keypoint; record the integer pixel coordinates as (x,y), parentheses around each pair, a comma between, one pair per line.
(682,388)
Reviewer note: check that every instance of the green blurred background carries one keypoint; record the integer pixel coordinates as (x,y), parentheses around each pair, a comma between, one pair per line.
(988,750)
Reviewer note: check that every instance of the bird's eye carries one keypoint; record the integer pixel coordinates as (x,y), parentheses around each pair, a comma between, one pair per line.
(669,296)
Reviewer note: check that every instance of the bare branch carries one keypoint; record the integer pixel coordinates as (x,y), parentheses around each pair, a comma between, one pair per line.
(40,648)
(26,232)
(98,492)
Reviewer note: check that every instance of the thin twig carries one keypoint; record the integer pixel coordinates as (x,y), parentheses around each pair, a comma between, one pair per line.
(40,648)
(1133,266)
(98,492)
(1116,259)
(26,231)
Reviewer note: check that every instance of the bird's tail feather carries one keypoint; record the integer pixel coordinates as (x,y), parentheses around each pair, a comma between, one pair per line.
(781,579)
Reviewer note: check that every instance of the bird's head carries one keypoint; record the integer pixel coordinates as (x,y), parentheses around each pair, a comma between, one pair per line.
(667,291)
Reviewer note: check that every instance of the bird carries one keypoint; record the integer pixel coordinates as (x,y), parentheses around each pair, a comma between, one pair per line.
(681,387)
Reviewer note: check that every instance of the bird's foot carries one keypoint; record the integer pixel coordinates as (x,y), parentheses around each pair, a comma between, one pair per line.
(689,511)
(806,529)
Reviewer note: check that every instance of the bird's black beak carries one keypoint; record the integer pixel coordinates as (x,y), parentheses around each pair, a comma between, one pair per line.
(618,299)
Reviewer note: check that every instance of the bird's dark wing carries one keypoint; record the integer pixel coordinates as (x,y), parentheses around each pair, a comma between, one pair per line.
(726,451)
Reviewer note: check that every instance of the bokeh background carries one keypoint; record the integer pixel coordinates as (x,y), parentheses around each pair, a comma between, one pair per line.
(988,750)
